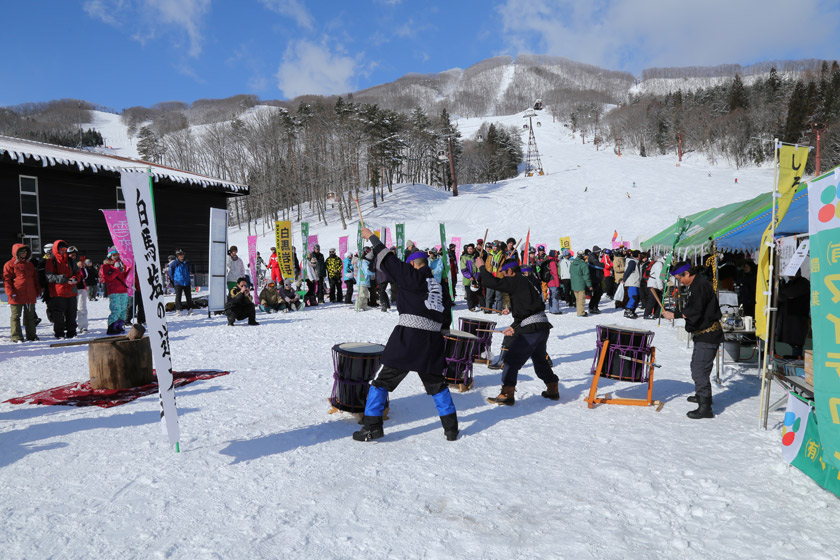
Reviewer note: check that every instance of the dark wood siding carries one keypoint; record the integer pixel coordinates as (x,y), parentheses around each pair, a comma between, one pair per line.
(70,204)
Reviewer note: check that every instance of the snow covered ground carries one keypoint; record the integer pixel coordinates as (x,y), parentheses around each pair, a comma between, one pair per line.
(265,472)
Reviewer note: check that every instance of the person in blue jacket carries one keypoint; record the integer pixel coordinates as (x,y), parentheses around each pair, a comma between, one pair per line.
(179,272)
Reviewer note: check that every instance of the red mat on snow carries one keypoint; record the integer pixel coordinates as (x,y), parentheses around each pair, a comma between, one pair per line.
(81,394)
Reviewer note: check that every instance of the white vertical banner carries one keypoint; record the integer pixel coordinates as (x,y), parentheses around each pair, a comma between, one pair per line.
(139,208)
(217,278)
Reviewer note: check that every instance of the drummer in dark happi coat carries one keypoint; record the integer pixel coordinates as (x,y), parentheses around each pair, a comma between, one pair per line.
(416,343)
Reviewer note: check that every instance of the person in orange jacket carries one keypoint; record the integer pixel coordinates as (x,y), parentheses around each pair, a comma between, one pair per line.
(20,280)
(62,275)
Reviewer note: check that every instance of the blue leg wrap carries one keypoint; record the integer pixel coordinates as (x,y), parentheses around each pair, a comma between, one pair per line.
(443,402)
(376,401)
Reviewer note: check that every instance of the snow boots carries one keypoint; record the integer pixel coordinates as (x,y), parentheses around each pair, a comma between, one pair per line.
(630,314)
(374,408)
(552,391)
(505,396)
(448,416)
(704,409)
(371,429)
(498,361)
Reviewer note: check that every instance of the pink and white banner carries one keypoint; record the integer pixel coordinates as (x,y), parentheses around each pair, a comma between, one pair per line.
(457,242)
(118,227)
(342,248)
(252,259)
(388,237)
(311,242)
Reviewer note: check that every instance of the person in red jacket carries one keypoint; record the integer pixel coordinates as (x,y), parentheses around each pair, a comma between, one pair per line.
(62,275)
(20,280)
(116,286)
(274,266)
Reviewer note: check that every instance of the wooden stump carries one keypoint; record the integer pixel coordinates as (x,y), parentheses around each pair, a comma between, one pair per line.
(120,365)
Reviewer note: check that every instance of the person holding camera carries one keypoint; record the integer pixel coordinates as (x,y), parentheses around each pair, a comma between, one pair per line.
(241,304)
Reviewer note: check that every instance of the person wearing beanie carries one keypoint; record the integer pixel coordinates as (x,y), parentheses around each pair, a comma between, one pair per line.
(349,276)
(116,274)
(701,312)
(62,275)
(270,300)
(274,266)
(334,268)
(291,299)
(320,281)
(410,249)
(596,277)
(527,336)
(312,280)
(580,281)
(564,267)
(235,267)
(416,343)
(470,275)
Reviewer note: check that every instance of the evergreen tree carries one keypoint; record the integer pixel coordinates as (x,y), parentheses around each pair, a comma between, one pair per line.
(737,95)
(797,115)
(149,145)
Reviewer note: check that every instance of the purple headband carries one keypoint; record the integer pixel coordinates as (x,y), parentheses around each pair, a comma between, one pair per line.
(509,266)
(684,268)
(525,268)
(417,255)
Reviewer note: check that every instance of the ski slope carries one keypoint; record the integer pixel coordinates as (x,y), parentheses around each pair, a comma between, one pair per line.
(586,194)
(266,472)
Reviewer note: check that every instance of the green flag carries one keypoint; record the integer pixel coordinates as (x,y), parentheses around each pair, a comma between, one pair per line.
(304,233)
(444,254)
(401,241)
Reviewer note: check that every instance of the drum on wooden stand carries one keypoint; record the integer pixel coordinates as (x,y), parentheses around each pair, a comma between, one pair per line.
(459,352)
(355,365)
(481,353)
(624,354)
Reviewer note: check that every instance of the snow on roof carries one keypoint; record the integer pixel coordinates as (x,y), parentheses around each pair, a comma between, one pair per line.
(50,155)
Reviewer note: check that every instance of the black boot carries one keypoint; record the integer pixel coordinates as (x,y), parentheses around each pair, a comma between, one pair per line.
(371,429)
(450,426)
(498,361)
(704,409)
(692,398)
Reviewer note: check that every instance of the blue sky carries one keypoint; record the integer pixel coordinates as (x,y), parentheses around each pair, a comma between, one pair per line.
(121,53)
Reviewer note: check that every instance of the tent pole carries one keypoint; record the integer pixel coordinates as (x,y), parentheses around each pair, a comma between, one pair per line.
(761,410)
(771,337)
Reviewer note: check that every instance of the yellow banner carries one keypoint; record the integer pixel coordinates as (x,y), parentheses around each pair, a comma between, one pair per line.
(792,161)
(283,242)
(566,243)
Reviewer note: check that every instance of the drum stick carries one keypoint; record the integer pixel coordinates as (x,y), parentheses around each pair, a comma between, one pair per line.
(638,361)
(489,330)
(360,213)
(515,247)
(656,297)
(486,231)
(490,309)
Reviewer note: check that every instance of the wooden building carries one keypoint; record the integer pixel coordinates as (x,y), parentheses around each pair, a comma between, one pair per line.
(52,192)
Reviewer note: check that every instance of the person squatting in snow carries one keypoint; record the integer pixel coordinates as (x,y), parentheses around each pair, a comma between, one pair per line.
(416,343)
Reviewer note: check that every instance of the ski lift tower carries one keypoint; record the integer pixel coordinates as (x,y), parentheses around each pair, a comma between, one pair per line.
(533,163)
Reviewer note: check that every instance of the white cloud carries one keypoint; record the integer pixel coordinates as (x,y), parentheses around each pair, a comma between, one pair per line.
(149,16)
(309,68)
(634,34)
(186,14)
(104,10)
(292,9)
